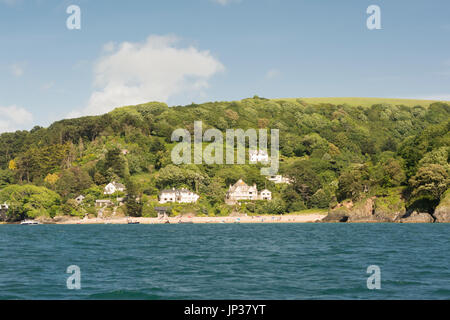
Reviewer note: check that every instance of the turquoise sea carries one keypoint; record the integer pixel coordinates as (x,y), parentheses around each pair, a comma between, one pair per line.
(225,261)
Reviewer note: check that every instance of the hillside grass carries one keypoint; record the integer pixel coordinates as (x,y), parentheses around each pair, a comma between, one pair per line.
(364,102)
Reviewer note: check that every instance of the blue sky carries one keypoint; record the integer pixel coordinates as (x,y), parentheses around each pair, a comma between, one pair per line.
(129,52)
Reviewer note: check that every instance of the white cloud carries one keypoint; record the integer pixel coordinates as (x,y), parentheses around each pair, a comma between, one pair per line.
(272,73)
(109,47)
(156,69)
(14,118)
(17,69)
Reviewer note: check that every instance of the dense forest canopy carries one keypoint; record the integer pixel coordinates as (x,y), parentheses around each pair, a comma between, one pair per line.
(330,152)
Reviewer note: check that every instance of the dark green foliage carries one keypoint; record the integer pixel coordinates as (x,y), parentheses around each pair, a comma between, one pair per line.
(305,180)
(331,152)
(353,183)
(6,177)
(72,182)
(430,181)
(133,202)
(29,201)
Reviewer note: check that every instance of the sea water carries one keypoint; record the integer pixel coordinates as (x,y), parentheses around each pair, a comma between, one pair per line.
(225,261)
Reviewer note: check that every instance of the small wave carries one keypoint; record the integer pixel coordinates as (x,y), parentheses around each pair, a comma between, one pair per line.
(404,283)
(442,293)
(124,295)
(11,297)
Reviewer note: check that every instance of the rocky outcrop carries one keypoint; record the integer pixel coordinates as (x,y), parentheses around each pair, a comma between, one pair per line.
(442,211)
(337,215)
(346,211)
(389,207)
(418,217)
(45,220)
(60,219)
(442,214)
(363,211)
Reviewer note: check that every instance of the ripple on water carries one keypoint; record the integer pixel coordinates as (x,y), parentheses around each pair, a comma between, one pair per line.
(259,261)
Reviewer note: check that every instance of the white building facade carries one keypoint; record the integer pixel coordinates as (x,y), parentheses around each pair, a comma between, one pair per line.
(279,179)
(258,156)
(113,187)
(178,195)
(265,195)
(241,191)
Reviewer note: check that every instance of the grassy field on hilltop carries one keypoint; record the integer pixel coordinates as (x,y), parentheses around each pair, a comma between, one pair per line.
(365,102)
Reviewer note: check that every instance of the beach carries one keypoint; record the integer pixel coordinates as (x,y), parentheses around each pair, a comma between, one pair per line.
(303,218)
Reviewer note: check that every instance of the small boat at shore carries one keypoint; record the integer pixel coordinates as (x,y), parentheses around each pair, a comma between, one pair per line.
(186,222)
(130,221)
(29,222)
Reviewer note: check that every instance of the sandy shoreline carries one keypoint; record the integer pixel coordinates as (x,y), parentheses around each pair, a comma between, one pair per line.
(243,219)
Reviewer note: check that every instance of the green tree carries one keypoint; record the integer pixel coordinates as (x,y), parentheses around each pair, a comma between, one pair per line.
(430,181)
(305,181)
(133,202)
(72,182)
(117,163)
(28,201)
(353,183)
(6,177)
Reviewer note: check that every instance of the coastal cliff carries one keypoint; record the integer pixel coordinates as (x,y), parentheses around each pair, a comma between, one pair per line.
(368,210)
(442,212)
(387,209)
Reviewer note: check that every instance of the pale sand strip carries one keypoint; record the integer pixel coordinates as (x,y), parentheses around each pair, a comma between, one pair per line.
(174,220)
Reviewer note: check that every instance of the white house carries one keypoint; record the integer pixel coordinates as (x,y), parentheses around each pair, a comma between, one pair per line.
(178,195)
(80,199)
(258,156)
(265,195)
(103,203)
(279,179)
(241,191)
(113,187)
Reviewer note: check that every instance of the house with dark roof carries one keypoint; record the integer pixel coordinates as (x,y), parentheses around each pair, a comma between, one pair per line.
(163,212)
